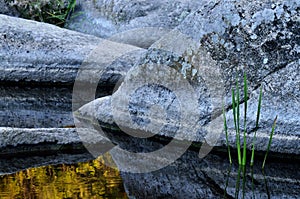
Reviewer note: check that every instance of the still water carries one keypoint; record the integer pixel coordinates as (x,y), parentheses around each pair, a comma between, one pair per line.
(90,179)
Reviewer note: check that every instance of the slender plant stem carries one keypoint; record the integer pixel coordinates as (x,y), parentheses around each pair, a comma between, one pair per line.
(226,133)
(256,126)
(245,118)
(235,126)
(237,185)
(242,160)
(270,141)
(266,184)
(244,180)
(238,119)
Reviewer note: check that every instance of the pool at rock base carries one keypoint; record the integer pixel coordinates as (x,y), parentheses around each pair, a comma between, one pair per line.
(79,175)
(90,179)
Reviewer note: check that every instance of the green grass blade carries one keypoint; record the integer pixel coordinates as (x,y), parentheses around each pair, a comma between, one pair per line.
(235,125)
(237,185)
(70,9)
(233,109)
(238,121)
(245,98)
(259,106)
(256,126)
(245,118)
(237,105)
(266,184)
(270,141)
(226,133)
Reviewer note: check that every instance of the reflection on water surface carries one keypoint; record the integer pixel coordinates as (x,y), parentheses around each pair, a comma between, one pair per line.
(82,180)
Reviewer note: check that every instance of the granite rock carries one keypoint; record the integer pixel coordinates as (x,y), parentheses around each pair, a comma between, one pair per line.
(178,87)
(136,22)
(39,53)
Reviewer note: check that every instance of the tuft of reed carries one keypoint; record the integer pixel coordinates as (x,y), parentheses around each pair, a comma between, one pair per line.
(242,160)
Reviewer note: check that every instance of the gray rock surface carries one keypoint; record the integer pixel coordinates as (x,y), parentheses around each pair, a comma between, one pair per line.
(210,48)
(32,107)
(191,177)
(45,54)
(18,136)
(136,22)
(13,137)
(280,98)
(194,177)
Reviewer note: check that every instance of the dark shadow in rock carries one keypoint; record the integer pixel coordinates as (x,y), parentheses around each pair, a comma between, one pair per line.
(31,107)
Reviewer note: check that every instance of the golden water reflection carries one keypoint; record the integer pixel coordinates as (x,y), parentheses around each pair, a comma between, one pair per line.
(91,179)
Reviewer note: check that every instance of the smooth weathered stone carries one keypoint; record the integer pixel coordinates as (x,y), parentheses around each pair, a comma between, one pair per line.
(20,136)
(136,22)
(45,54)
(32,107)
(209,49)
(61,136)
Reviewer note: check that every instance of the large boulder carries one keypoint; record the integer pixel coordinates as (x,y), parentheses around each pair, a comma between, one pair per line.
(41,53)
(178,89)
(136,22)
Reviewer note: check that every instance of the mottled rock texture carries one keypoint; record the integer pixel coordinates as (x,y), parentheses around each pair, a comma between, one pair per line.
(135,22)
(31,107)
(19,136)
(209,50)
(191,177)
(45,54)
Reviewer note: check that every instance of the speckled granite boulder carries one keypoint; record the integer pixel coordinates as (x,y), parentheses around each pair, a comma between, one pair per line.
(135,22)
(210,49)
(41,53)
